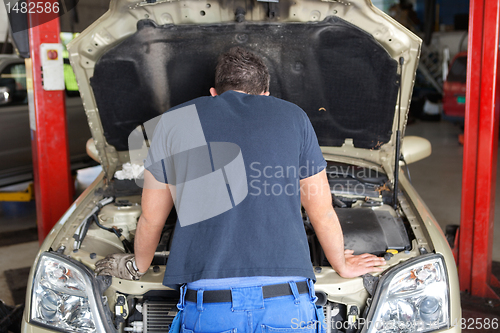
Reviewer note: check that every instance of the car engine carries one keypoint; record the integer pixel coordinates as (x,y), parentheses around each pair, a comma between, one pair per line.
(362,198)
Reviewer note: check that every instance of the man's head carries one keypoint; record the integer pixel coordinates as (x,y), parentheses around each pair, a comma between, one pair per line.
(241,70)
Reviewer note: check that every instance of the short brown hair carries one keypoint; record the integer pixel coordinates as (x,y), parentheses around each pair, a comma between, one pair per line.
(240,69)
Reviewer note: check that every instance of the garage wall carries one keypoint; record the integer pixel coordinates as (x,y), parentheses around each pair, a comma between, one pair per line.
(448,9)
(383,4)
(4,23)
(84,14)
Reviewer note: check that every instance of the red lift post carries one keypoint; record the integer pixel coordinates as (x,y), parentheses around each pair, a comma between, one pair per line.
(49,141)
(480,151)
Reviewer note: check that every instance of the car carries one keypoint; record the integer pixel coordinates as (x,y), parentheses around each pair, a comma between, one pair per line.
(347,64)
(15,142)
(454,89)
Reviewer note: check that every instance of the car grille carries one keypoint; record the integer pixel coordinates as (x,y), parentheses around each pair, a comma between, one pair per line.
(158,316)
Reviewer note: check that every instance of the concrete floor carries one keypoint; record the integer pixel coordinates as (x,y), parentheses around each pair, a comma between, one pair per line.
(436,178)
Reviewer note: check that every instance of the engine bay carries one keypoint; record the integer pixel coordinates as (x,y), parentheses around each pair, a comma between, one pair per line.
(362,199)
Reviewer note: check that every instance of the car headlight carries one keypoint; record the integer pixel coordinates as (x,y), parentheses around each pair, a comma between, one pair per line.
(63,296)
(413,297)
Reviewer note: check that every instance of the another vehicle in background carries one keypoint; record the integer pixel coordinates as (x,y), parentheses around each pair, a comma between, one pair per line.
(454,90)
(15,137)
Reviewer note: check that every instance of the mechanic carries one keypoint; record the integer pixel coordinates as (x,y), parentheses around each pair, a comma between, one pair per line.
(249,266)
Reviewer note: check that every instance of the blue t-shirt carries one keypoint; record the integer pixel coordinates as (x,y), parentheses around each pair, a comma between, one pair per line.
(233,164)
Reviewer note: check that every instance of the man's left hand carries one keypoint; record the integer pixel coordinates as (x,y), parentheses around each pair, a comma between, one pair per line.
(357,265)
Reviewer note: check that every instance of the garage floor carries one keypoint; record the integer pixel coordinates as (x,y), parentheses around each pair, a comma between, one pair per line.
(437,179)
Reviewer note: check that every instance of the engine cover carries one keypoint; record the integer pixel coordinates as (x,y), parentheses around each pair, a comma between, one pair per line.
(372,230)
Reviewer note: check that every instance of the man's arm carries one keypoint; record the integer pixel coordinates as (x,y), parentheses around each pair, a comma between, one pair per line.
(317,201)
(156,205)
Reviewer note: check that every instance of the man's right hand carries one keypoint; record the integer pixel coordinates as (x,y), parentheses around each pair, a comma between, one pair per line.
(120,265)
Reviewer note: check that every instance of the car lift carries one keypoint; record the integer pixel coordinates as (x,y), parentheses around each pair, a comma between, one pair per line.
(18,196)
(480,151)
(53,184)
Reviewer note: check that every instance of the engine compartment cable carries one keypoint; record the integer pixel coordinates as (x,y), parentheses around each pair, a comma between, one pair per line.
(82,229)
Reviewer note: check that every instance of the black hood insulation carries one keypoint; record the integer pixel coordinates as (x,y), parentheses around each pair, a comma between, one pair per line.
(340,75)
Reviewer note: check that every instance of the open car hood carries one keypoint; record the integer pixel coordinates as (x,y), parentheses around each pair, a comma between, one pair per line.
(338,60)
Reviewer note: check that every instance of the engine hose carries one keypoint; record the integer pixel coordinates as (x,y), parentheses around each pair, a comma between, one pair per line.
(126,244)
(82,229)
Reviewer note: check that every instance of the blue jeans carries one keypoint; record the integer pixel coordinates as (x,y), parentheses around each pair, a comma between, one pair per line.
(249,312)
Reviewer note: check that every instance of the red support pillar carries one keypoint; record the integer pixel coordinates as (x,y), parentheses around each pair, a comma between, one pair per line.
(49,141)
(480,150)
